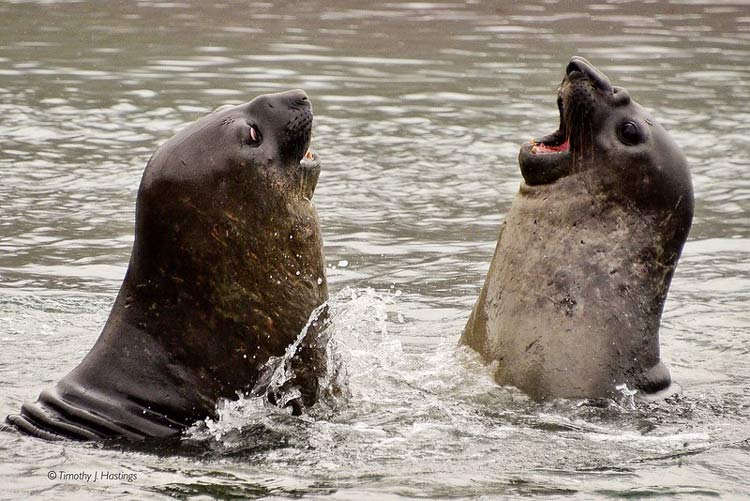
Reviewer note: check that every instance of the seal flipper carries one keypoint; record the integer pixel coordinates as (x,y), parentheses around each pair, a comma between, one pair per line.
(51,416)
(39,420)
(22,424)
(67,412)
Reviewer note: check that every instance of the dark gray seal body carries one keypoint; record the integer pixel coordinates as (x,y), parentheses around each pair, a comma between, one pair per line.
(574,295)
(227,266)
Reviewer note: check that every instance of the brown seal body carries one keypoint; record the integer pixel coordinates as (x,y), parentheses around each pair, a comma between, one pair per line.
(227,266)
(573,298)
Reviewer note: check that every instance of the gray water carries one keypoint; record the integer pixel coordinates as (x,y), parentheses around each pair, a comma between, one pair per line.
(420,112)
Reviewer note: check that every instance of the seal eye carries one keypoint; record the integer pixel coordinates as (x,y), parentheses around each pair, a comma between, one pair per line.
(630,133)
(254,137)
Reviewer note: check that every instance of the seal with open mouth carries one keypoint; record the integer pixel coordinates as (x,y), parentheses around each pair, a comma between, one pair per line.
(226,269)
(573,298)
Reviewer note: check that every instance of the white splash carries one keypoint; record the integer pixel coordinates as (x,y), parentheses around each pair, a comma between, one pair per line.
(356,341)
(628,396)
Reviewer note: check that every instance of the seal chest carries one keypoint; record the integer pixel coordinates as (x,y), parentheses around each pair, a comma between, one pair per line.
(573,298)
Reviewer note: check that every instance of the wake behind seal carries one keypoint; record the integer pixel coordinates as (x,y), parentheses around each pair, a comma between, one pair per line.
(573,298)
(227,267)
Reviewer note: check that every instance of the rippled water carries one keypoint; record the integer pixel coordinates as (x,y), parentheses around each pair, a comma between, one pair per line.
(420,112)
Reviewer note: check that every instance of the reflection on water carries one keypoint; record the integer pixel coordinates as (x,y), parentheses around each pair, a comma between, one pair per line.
(420,111)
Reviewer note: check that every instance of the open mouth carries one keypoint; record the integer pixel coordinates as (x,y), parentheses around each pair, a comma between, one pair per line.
(310,158)
(551,157)
(308,169)
(558,141)
(548,158)
(309,173)
(310,161)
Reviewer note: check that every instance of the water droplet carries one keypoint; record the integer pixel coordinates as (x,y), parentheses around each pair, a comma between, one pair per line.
(343,263)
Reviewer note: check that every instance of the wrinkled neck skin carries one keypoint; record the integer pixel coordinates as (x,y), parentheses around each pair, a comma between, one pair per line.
(198,316)
(577,287)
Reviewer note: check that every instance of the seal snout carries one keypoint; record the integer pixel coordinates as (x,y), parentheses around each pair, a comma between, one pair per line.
(294,138)
(579,67)
(296,99)
(295,132)
(546,159)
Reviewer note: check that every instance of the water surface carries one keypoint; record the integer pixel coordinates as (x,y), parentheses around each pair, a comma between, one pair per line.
(420,111)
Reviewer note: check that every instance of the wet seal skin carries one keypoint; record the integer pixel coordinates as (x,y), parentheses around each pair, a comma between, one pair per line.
(226,268)
(574,295)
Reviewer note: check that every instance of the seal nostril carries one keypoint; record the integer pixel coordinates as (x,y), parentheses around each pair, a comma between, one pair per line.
(297,97)
(574,65)
(620,96)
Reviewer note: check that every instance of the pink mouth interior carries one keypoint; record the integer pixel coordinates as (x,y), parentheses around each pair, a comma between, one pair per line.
(543,148)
